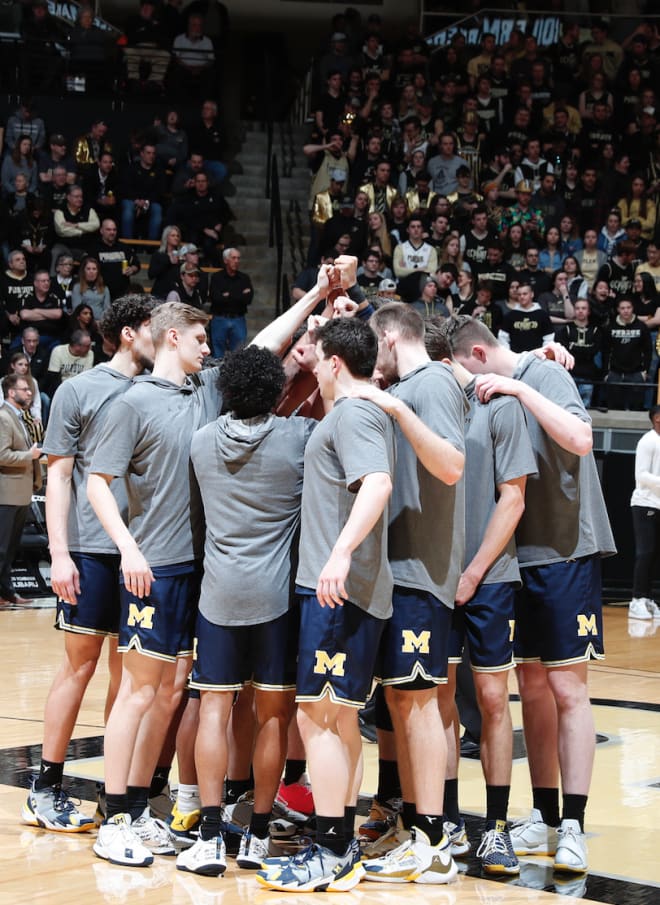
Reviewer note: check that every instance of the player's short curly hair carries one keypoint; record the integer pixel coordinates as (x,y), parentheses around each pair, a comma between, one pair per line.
(251,381)
(126,311)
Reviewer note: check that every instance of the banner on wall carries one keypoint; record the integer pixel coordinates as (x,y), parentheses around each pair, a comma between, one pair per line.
(546,29)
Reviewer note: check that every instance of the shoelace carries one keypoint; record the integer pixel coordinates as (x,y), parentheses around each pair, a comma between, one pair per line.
(63,802)
(493,842)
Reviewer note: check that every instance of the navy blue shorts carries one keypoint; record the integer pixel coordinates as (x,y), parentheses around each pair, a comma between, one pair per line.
(229,656)
(97,610)
(488,623)
(162,625)
(559,613)
(337,652)
(415,644)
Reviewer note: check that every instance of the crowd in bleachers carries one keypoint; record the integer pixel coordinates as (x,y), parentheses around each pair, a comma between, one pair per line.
(525,164)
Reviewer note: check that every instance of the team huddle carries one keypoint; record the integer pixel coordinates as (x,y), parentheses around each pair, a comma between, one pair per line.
(224,546)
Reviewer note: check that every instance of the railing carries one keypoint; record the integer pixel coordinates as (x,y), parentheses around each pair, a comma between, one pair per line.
(275,238)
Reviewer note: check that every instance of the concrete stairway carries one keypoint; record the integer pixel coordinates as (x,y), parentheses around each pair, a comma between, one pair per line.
(252,210)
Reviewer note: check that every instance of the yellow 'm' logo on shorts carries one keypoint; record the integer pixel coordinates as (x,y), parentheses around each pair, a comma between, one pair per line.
(143,616)
(413,642)
(586,625)
(325,663)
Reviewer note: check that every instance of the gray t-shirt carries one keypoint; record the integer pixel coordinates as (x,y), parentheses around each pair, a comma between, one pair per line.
(355,439)
(497,449)
(77,416)
(250,474)
(427,517)
(146,439)
(565,515)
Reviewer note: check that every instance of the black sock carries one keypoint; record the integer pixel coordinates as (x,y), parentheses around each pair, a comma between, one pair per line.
(158,781)
(497,802)
(114,804)
(50,774)
(211,823)
(137,799)
(431,824)
(573,808)
(330,833)
(349,824)
(293,770)
(389,785)
(408,814)
(450,802)
(234,788)
(259,824)
(547,802)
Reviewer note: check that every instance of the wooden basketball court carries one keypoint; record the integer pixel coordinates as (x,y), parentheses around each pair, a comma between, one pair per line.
(623,816)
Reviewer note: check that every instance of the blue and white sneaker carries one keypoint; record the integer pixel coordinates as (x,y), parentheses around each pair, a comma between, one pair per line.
(316,869)
(414,861)
(496,850)
(53,809)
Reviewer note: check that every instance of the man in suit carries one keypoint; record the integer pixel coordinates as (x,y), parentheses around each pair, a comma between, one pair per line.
(19,475)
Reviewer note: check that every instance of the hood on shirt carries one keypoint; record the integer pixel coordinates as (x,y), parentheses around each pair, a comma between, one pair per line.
(236,439)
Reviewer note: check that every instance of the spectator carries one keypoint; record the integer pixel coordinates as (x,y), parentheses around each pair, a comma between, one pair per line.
(16,204)
(645,509)
(370,278)
(101,187)
(15,286)
(578,288)
(144,54)
(531,273)
(55,156)
(585,343)
(142,193)
(203,215)
(444,165)
(589,257)
(638,205)
(184,178)
(230,293)
(19,364)
(19,476)
(557,301)
(54,192)
(89,147)
(330,105)
(530,218)
(89,52)
(82,318)
(42,309)
(527,326)
(41,58)
(551,256)
(611,233)
(328,157)
(627,357)
(117,261)
(77,224)
(412,258)
(186,288)
(70,359)
(29,343)
(618,272)
(35,233)
(91,289)
(379,192)
(165,264)
(62,284)
(206,138)
(21,160)
(171,142)
(24,122)
(193,61)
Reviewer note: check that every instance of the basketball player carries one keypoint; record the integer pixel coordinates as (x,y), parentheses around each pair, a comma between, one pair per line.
(561,537)
(85,562)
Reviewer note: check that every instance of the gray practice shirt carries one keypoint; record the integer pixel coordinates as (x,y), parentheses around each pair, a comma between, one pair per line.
(146,439)
(427,517)
(565,515)
(497,449)
(355,439)
(250,474)
(77,416)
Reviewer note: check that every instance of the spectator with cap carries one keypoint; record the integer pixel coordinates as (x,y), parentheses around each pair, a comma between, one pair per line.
(522,213)
(337,59)
(325,156)
(387,291)
(89,147)
(328,203)
(55,156)
(430,303)
(186,288)
(230,294)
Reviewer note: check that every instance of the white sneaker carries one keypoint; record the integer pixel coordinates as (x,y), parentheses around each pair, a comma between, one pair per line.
(571,853)
(154,833)
(532,836)
(206,857)
(653,608)
(458,838)
(253,851)
(639,609)
(118,843)
(414,861)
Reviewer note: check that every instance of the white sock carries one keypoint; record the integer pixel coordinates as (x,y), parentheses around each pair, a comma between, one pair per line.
(187,798)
